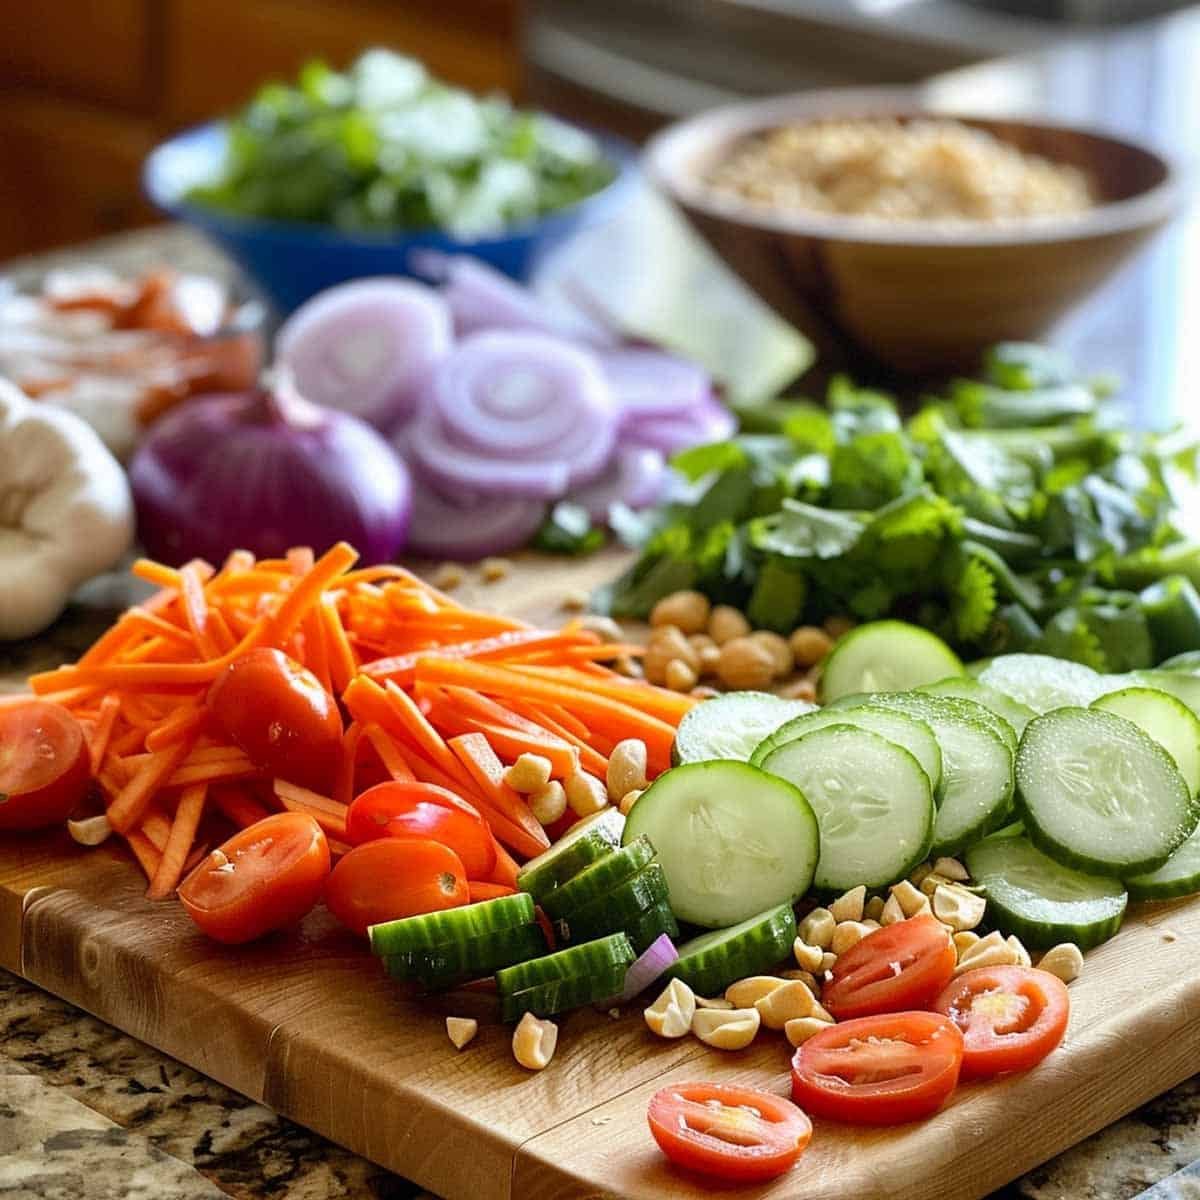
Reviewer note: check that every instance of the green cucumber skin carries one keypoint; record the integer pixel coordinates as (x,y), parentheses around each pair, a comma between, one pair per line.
(712,972)
(575,962)
(451,925)
(1039,935)
(595,881)
(650,926)
(690,748)
(561,995)
(833,686)
(482,956)
(561,863)
(1146,887)
(613,911)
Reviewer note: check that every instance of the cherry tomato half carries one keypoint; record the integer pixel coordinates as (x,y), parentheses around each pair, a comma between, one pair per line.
(880,1070)
(395,877)
(733,1133)
(265,877)
(424,810)
(280,715)
(1010,1017)
(44,765)
(898,967)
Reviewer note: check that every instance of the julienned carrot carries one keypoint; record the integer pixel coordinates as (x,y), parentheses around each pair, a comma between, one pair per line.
(234,803)
(508,740)
(316,658)
(131,802)
(392,757)
(195,609)
(179,844)
(168,577)
(482,889)
(343,786)
(506,869)
(148,857)
(102,730)
(221,771)
(305,797)
(301,560)
(334,562)
(590,759)
(70,698)
(338,848)
(342,663)
(487,771)
(189,718)
(157,828)
(557,713)
(654,702)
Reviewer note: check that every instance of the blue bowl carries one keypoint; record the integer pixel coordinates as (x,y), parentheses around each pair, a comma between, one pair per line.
(291,261)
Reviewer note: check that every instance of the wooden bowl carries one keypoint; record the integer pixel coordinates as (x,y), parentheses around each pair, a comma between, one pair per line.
(922,299)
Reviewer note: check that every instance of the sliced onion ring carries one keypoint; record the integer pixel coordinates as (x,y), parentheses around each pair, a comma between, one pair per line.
(652,382)
(707,422)
(637,478)
(469,530)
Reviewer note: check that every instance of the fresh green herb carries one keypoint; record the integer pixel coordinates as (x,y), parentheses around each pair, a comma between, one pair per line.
(568,530)
(1012,514)
(382,147)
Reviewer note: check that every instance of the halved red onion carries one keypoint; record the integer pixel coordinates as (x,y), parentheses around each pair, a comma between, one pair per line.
(469,529)
(637,478)
(480,297)
(710,421)
(363,347)
(652,382)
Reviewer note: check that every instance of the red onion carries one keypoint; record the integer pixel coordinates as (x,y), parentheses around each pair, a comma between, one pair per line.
(653,382)
(637,478)
(513,413)
(710,421)
(264,471)
(364,346)
(648,967)
(469,528)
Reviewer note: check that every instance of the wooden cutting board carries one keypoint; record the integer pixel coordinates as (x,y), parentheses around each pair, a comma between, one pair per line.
(308,1024)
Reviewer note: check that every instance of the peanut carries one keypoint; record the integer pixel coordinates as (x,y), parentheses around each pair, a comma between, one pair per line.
(687,611)
(726,623)
(809,645)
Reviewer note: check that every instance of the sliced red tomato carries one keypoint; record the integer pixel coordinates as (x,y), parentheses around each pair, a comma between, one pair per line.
(1010,1017)
(898,967)
(424,810)
(733,1133)
(280,715)
(880,1070)
(44,765)
(265,877)
(395,877)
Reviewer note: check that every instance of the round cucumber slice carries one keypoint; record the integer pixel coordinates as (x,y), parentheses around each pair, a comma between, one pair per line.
(873,803)
(730,726)
(708,964)
(886,656)
(1040,900)
(1043,683)
(1178,876)
(965,688)
(1100,795)
(1188,662)
(451,925)
(910,732)
(1181,685)
(1167,720)
(732,839)
(588,959)
(582,844)
(601,877)
(613,911)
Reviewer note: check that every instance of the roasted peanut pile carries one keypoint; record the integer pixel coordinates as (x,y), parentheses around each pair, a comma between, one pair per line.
(886,169)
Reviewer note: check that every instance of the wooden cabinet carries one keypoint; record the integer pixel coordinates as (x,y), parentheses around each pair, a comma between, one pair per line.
(88,86)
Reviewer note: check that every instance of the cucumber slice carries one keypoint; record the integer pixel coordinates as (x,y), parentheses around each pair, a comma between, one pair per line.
(1180,684)
(977,766)
(653,923)
(1043,683)
(730,726)
(559,995)
(613,911)
(909,732)
(582,844)
(1041,901)
(602,877)
(886,656)
(732,839)
(436,929)
(596,958)
(873,803)
(468,959)
(708,964)
(1188,662)
(1100,795)
(1167,720)
(1017,715)
(1178,876)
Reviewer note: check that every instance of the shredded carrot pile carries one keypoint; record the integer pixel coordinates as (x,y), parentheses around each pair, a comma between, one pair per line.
(432,691)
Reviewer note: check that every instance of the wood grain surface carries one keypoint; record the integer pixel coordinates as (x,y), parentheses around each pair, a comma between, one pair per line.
(307,1023)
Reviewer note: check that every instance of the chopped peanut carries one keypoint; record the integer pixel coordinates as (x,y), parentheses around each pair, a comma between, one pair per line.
(679,677)
(671,1015)
(495,569)
(805,977)
(816,929)
(585,793)
(827,961)
(847,935)
(575,600)
(549,804)
(779,650)
(745,665)
(957,907)
(629,800)
(991,951)
(713,1002)
(785,1004)
(449,576)
(892,912)
(629,667)
(873,909)
(952,869)
(799,1030)
(534,1042)
(1021,955)
(807,957)
(849,905)
(931,882)
(461,1030)
(687,611)
(837,626)
(964,941)
(667,645)
(90,831)
(745,993)
(910,899)
(1064,960)
(799,689)
(726,1029)
(726,623)
(530,773)
(605,628)
(627,768)
(809,645)
(919,873)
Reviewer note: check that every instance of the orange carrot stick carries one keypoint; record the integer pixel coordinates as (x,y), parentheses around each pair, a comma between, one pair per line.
(187,719)
(481,889)
(147,856)
(506,869)
(658,702)
(487,771)
(590,759)
(334,562)
(195,609)
(342,663)
(130,804)
(394,761)
(101,733)
(401,668)
(179,843)
(239,807)
(343,786)
(327,813)
(157,828)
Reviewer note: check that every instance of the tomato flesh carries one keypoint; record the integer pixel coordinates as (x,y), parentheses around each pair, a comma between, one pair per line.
(1010,1017)
(265,877)
(424,810)
(732,1133)
(44,765)
(389,878)
(899,967)
(280,715)
(880,1070)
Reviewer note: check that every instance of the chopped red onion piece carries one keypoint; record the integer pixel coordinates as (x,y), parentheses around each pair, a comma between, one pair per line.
(653,382)
(637,478)
(648,967)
